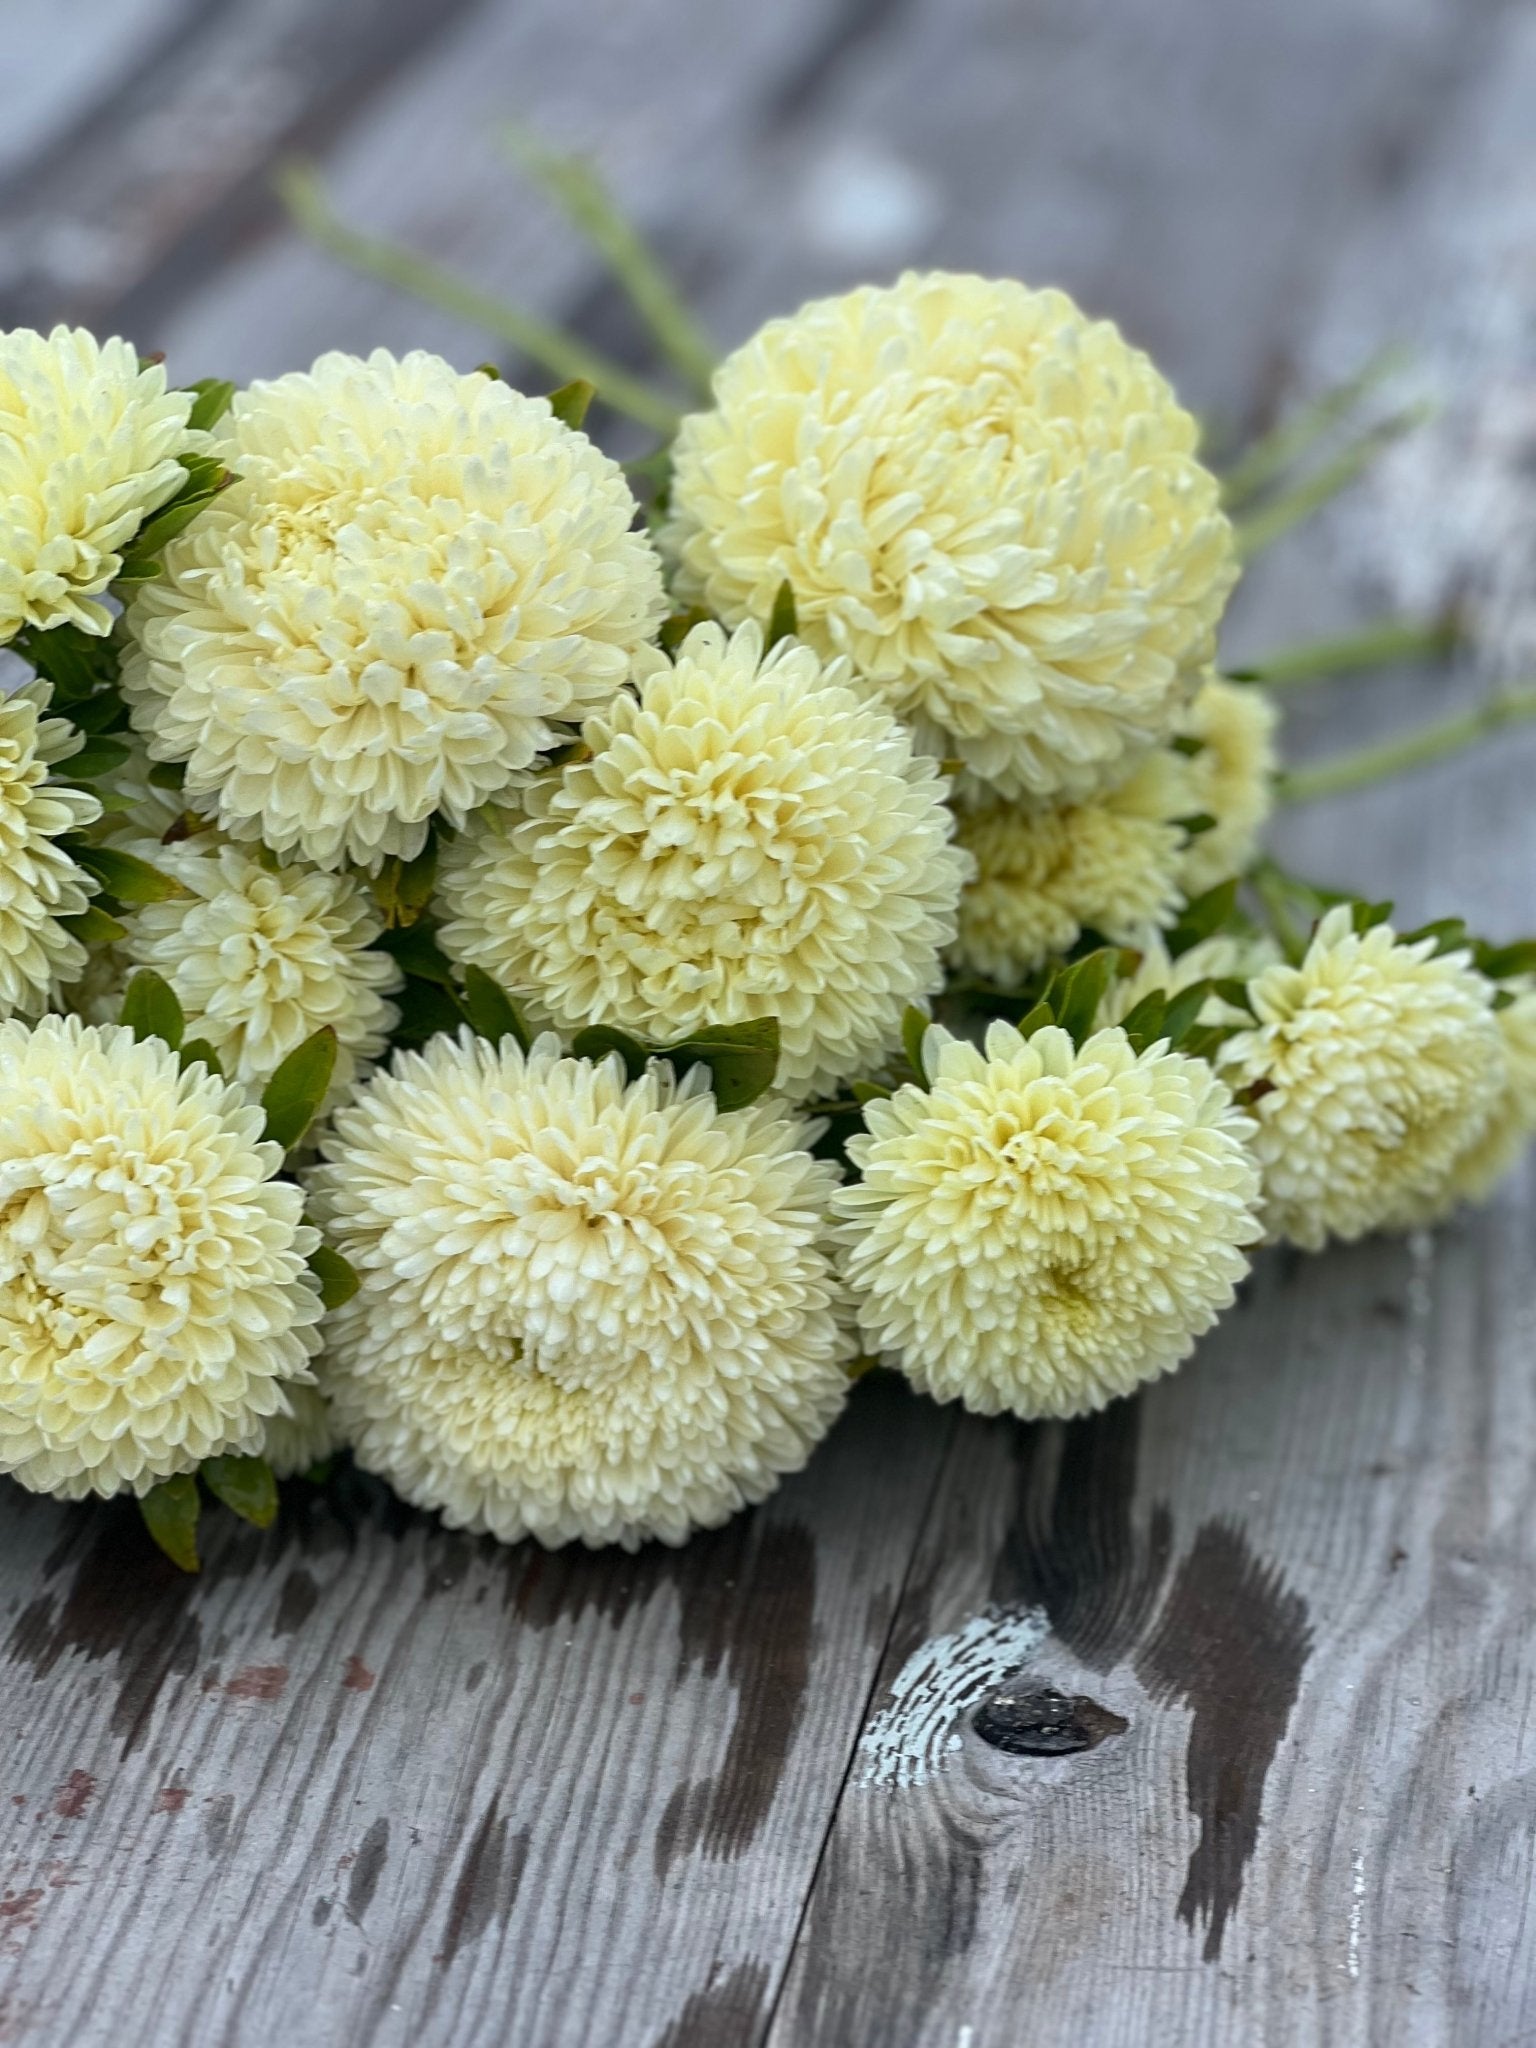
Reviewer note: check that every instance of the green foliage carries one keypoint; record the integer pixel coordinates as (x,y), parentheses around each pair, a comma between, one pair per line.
(784,619)
(1202,917)
(292,1098)
(570,403)
(337,1276)
(914,1025)
(675,630)
(403,888)
(123,876)
(206,476)
(152,1009)
(93,927)
(491,1011)
(742,1058)
(197,1051)
(245,1485)
(171,1513)
(213,400)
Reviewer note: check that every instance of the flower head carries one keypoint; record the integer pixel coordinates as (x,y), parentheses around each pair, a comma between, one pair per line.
(1046,1226)
(1110,864)
(88,449)
(589,1308)
(1225,956)
(748,839)
(1373,1066)
(418,578)
(991,503)
(1231,779)
(303,1438)
(261,956)
(1511,1124)
(154,1300)
(39,883)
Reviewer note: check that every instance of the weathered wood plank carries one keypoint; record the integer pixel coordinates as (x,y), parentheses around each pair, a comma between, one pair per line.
(403,1786)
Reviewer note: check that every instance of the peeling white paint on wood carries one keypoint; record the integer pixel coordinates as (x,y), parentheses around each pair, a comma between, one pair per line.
(912,1738)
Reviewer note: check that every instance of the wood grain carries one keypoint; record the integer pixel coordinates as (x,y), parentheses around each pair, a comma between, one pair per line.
(367,1782)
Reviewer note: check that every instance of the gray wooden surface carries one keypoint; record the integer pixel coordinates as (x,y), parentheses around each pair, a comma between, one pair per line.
(366,1783)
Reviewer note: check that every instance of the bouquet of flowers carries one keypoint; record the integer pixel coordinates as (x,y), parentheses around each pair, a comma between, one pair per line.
(538,972)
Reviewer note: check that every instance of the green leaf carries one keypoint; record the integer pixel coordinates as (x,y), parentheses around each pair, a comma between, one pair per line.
(403,888)
(1203,916)
(152,1008)
(293,1096)
(870,1091)
(170,1514)
(213,400)
(1450,934)
(1187,745)
(598,1040)
(742,1058)
(415,948)
(1196,823)
(914,1025)
(1503,963)
(427,1008)
(167,774)
(77,664)
(1367,916)
(206,477)
(337,1276)
(491,370)
(93,927)
(1144,1024)
(105,712)
(1036,1019)
(96,757)
(491,1011)
(569,404)
(675,630)
(1076,993)
(784,619)
(123,875)
(1184,1011)
(195,1049)
(245,1485)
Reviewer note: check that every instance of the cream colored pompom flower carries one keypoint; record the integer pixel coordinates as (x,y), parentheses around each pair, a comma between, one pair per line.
(39,883)
(303,1438)
(89,442)
(1231,777)
(1477,1171)
(1044,1227)
(154,1301)
(261,956)
(1111,865)
(419,579)
(589,1308)
(1374,1065)
(990,502)
(748,839)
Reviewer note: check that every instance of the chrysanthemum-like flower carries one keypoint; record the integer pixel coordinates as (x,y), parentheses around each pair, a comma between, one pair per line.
(262,956)
(1231,779)
(418,576)
(154,1300)
(1045,1227)
(1111,865)
(589,1309)
(39,883)
(88,448)
(1511,1123)
(750,839)
(303,1438)
(1373,1066)
(990,502)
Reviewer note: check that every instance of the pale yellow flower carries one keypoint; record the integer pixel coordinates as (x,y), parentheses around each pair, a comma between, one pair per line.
(419,582)
(154,1300)
(748,839)
(1111,865)
(1511,1125)
(261,956)
(1374,1065)
(589,1309)
(1223,957)
(1042,1227)
(303,1438)
(991,503)
(40,884)
(1232,779)
(88,449)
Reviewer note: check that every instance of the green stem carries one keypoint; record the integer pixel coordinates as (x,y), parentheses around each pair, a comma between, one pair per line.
(1263,528)
(1413,750)
(577,189)
(561,354)
(1268,457)
(1383,645)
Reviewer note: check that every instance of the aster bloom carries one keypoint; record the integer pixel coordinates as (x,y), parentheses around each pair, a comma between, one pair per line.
(748,839)
(417,581)
(1044,1227)
(303,1438)
(261,956)
(89,442)
(1511,1124)
(1374,1065)
(154,1300)
(1231,778)
(589,1308)
(991,503)
(1111,865)
(39,883)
